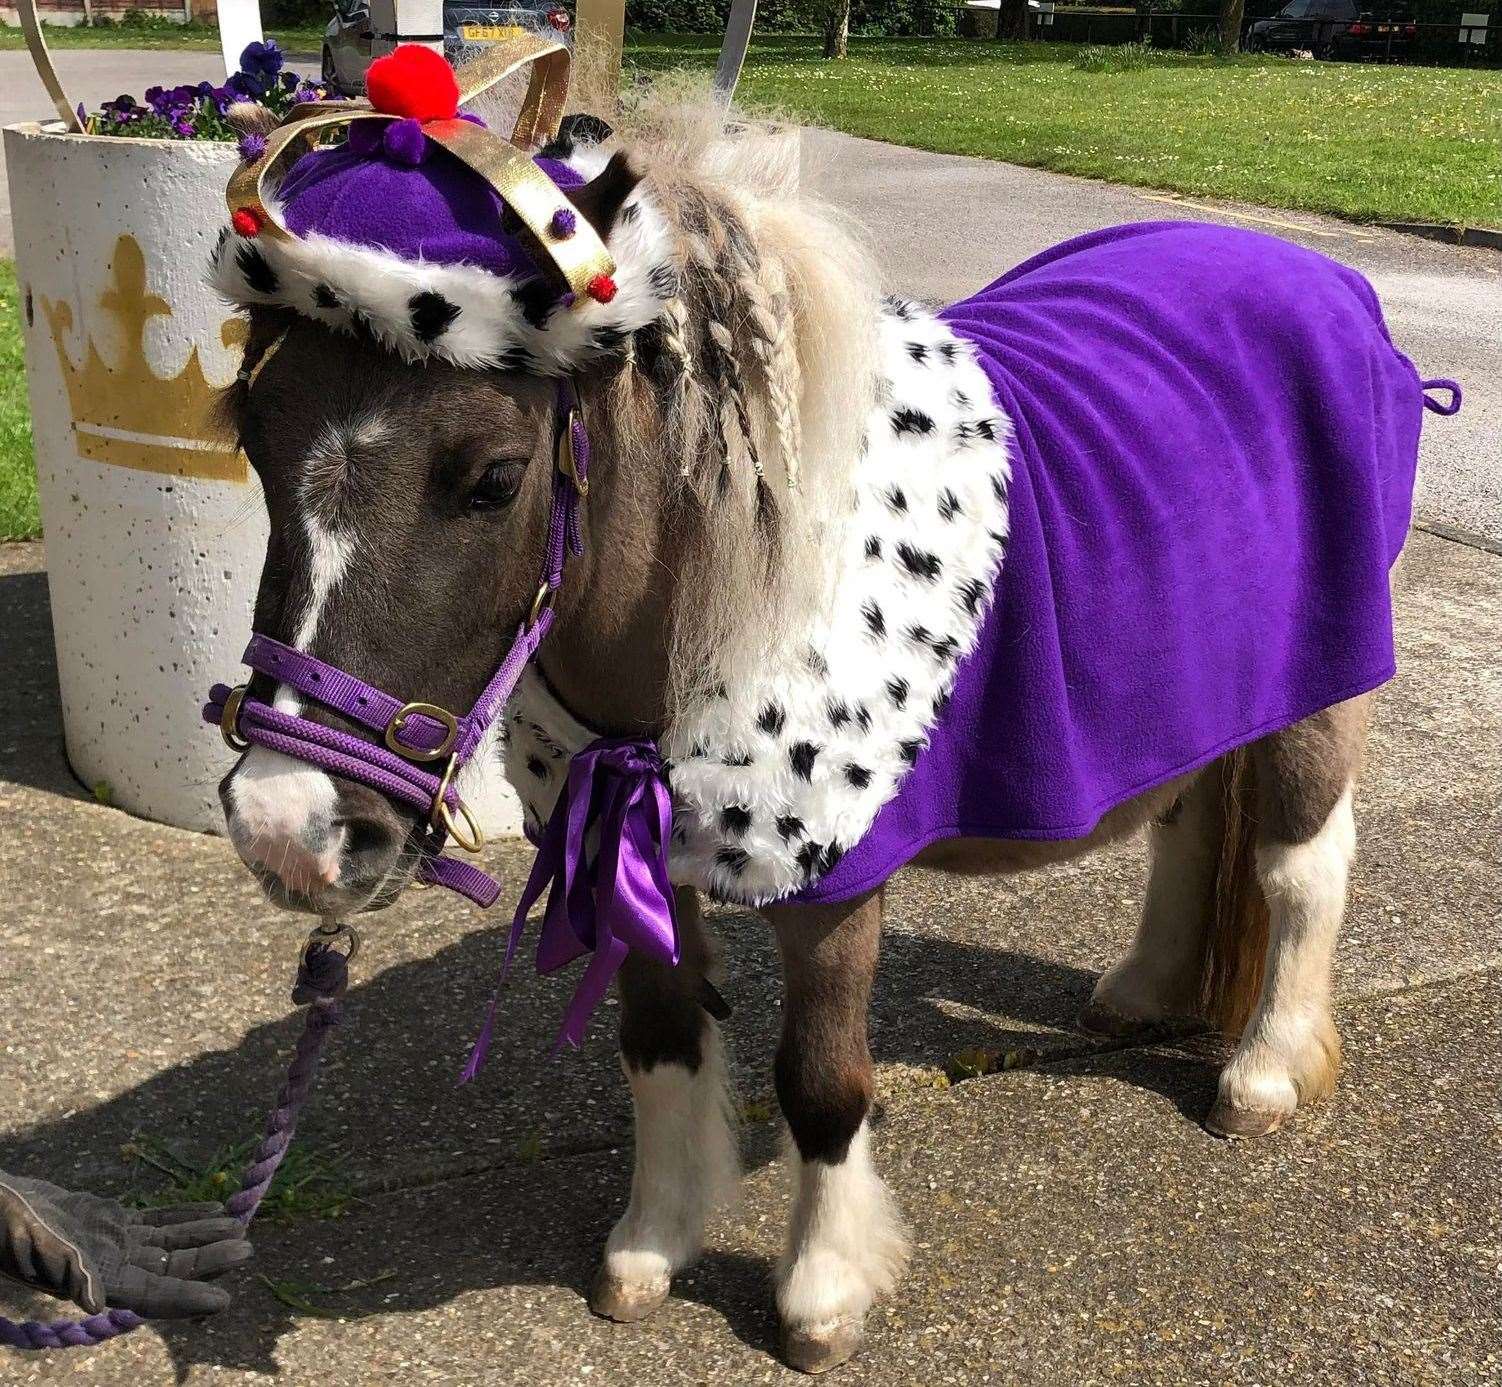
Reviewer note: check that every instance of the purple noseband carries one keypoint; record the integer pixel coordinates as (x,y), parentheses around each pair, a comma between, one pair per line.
(615,894)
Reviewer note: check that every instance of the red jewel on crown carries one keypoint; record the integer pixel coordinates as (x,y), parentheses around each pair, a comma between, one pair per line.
(246,221)
(414,82)
(601,288)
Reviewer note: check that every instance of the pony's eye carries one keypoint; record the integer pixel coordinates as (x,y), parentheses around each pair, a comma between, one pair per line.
(497,486)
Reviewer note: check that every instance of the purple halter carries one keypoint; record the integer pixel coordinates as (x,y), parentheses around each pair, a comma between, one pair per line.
(605,899)
(415,735)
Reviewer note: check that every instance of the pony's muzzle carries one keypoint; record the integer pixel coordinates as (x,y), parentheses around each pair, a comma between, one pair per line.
(314,842)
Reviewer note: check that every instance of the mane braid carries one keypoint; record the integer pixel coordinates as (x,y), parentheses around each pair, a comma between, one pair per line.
(755,378)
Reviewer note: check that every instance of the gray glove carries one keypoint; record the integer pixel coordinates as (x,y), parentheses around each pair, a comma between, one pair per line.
(97,1253)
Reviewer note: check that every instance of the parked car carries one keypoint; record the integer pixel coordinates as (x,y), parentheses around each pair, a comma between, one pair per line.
(347,40)
(1330,28)
(1373,37)
(1311,24)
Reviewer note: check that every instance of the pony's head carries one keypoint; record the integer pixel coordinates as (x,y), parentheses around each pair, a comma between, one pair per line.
(398,401)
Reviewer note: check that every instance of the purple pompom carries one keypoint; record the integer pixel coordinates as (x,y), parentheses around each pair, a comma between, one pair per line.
(564,223)
(405,143)
(252,146)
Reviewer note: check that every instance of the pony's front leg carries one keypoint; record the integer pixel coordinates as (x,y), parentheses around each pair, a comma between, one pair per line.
(846,1244)
(686,1156)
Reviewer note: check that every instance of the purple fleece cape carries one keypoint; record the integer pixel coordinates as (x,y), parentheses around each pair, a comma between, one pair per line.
(1212,477)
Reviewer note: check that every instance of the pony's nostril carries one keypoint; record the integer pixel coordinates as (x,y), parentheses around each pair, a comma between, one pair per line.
(368,842)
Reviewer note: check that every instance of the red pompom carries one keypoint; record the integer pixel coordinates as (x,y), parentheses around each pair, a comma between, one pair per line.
(246,221)
(601,288)
(413,81)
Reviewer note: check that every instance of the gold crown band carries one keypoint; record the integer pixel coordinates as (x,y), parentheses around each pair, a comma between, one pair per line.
(547,88)
(578,253)
(532,195)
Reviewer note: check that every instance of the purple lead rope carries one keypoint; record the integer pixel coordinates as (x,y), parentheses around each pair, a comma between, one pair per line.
(322,977)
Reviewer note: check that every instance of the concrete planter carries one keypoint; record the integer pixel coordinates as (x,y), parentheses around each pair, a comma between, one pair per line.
(155,530)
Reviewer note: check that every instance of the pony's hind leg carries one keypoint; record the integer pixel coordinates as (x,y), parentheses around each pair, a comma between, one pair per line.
(1306,838)
(1157,983)
(846,1243)
(686,1158)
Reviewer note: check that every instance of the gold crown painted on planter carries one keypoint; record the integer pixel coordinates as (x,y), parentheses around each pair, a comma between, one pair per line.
(128,415)
(579,255)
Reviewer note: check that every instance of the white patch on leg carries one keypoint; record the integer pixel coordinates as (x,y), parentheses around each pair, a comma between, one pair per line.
(1290,1050)
(687,1164)
(1159,976)
(846,1244)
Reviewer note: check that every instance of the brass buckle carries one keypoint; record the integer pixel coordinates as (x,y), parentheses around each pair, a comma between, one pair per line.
(328,932)
(229,720)
(567,464)
(414,753)
(540,604)
(443,816)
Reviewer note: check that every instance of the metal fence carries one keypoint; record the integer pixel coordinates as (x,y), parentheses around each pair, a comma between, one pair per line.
(1462,43)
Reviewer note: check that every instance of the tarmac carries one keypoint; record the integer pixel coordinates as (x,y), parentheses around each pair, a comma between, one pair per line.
(1072,1223)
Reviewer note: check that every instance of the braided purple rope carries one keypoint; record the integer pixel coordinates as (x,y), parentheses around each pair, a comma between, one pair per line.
(322,977)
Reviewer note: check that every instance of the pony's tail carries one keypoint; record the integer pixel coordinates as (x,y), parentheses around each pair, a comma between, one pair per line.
(1231,980)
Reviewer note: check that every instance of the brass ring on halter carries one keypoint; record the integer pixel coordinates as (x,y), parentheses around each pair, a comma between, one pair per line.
(541,603)
(328,933)
(229,720)
(568,464)
(443,816)
(417,753)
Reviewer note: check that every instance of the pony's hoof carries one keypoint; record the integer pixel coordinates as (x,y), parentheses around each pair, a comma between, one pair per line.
(625,1302)
(822,1347)
(1099,1018)
(1239,1124)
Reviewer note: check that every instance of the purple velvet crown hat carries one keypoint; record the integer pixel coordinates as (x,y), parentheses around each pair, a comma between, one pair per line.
(439,237)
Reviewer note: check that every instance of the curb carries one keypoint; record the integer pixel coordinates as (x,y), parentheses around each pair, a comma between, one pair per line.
(1490,238)
(1443,530)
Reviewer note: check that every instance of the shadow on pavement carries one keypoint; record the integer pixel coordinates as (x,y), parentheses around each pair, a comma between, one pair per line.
(31,732)
(451,1207)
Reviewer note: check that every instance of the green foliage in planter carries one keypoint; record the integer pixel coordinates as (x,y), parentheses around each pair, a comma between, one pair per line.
(197,112)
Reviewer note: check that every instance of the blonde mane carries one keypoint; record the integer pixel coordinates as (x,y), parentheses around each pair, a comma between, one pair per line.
(762,370)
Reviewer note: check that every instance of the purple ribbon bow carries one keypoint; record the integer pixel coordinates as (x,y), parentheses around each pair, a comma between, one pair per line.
(615,805)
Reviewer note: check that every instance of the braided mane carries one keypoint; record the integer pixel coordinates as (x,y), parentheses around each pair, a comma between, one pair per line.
(760,374)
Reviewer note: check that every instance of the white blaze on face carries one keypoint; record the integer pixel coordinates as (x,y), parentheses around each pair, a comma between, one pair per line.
(281,810)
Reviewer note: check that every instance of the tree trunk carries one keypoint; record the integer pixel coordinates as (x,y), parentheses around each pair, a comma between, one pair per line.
(837,29)
(1011,21)
(1231,12)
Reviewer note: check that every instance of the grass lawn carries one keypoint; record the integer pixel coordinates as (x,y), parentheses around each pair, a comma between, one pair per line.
(175,36)
(19,518)
(1359,140)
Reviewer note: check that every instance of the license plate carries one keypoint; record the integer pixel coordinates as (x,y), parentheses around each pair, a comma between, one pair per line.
(490,33)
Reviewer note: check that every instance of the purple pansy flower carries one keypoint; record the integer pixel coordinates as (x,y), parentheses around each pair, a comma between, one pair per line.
(262,59)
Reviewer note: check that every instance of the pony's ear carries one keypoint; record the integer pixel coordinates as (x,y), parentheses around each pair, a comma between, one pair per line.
(250,118)
(600,200)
